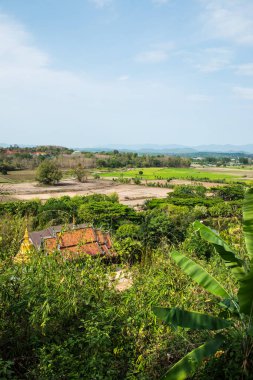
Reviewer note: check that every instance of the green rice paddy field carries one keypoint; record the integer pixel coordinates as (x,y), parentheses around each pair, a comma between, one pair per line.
(211,174)
(175,173)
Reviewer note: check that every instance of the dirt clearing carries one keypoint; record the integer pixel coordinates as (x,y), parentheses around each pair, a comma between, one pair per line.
(131,195)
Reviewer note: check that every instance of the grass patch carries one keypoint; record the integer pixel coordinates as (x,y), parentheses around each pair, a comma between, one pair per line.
(18,176)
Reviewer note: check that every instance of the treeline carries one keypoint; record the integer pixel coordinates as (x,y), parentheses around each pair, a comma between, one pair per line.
(114,160)
(26,158)
(219,160)
(122,160)
(52,150)
(17,158)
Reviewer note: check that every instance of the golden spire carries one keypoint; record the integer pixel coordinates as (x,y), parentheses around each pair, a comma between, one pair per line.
(26,236)
(25,249)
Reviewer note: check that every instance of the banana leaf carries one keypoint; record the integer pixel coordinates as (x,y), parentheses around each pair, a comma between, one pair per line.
(230,305)
(189,319)
(245,293)
(225,251)
(248,221)
(199,275)
(250,331)
(188,365)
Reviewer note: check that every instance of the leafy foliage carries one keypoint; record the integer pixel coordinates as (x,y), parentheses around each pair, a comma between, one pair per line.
(61,319)
(185,191)
(230,192)
(189,319)
(199,275)
(190,362)
(105,213)
(228,255)
(248,221)
(48,173)
(80,173)
(239,309)
(66,320)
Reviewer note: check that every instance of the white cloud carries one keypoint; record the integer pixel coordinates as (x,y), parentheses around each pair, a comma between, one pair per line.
(229,19)
(244,92)
(213,59)
(22,64)
(101,3)
(244,69)
(157,53)
(16,47)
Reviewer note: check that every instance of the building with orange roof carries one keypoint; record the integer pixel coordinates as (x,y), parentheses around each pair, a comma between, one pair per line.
(72,242)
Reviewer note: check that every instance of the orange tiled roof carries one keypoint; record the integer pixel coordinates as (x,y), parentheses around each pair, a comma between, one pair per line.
(100,236)
(108,240)
(73,242)
(76,237)
(50,244)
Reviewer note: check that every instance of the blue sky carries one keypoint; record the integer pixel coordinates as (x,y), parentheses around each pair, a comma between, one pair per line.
(88,73)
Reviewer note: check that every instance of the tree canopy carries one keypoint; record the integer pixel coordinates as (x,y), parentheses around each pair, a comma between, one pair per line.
(48,173)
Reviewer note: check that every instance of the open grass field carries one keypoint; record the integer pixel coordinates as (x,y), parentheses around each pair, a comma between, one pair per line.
(18,176)
(21,176)
(177,173)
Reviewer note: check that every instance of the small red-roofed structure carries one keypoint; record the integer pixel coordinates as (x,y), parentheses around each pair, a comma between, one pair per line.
(72,242)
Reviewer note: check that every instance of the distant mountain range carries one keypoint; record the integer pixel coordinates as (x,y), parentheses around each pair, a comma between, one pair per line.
(164,149)
(174,149)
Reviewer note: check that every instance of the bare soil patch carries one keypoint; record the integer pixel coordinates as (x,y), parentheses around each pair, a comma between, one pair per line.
(242,173)
(129,194)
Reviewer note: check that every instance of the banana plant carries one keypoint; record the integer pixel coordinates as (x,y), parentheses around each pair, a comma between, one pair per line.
(237,306)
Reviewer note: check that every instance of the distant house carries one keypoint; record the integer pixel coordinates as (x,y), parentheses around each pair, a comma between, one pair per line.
(39,153)
(76,153)
(11,152)
(72,242)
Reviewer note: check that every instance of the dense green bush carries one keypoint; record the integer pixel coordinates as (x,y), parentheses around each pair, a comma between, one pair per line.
(221,210)
(20,208)
(128,230)
(12,230)
(178,201)
(169,224)
(64,320)
(194,245)
(188,191)
(230,192)
(195,201)
(100,209)
(48,173)
(106,213)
